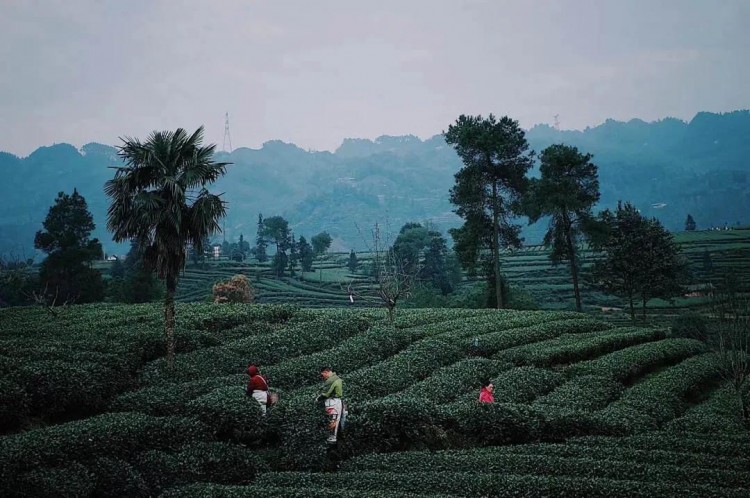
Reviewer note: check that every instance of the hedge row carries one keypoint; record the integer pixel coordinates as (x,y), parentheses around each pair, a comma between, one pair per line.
(100,477)
(720,414)
(547,465)
(685,443)
(628,364)
(658,398)
(448,383)
(397,373)
(588,392)
(416,317)
(116,435)
(482,484)
(570,349)
(269,491)
(172,399)
(298,339)
(215,317)
(265,349)
(57,380)
(362,350)
(492,342)
(213,462)
(615,453)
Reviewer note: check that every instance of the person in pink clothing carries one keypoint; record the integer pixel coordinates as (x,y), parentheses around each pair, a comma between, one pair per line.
(485,394)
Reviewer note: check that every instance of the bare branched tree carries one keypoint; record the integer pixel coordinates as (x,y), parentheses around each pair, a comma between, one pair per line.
(47,300)
(393,276)
(731,342)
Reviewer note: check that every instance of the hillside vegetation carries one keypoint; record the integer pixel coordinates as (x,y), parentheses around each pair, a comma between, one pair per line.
(582,406)
(529,269)
(683,167)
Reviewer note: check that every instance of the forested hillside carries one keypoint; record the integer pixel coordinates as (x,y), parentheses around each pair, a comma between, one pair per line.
(667,169)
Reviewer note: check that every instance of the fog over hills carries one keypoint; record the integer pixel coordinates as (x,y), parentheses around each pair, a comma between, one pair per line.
(667,168)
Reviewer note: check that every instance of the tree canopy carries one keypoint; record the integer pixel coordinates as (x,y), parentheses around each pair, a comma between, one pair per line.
(566,192)
(488,189)
(65,273)
(160,199)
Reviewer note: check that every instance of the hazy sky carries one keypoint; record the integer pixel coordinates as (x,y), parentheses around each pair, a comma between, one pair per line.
(315,72)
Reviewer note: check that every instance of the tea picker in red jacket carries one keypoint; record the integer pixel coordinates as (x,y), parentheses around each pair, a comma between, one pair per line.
(485,394)
(257,387)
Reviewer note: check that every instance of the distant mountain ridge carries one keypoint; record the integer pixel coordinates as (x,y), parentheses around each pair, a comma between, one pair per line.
(668,168)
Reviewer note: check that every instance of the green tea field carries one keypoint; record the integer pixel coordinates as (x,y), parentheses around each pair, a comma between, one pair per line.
(582,407)
(711,256)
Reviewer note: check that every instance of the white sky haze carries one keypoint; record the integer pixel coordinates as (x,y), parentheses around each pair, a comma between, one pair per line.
(316,72)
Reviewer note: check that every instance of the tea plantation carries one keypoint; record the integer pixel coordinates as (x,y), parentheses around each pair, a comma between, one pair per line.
(583,407)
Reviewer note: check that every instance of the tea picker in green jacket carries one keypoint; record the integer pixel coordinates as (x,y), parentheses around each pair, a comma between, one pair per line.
(332,394)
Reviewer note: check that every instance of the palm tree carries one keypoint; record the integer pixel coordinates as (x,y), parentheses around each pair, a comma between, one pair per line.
(160,200)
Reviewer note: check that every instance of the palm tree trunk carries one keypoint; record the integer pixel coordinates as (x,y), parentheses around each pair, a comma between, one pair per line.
(169,320)
(496,248)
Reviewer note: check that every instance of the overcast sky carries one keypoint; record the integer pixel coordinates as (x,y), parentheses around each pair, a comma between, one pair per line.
(315,72)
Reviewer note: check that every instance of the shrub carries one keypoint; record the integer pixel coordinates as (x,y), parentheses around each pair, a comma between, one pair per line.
(172,399)
(548,328)
(658,398)
(628,364)
(413,364)
(479,484)
(572,348)
(14,405)
(229,412)
(588,392)
(690,325)
(484,424)
(215,462)
(719,414)
(268,491)
(448,383)
(235,290)
(73,479)
(498,463)
(117,435)
(395,425)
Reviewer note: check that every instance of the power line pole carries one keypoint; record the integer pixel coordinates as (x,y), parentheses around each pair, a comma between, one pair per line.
(227,135)
(557,122)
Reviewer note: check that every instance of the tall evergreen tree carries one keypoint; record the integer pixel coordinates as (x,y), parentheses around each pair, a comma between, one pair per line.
(277,230)
(304,249)
(640,258)
(260,241)
(293,256)
(690,223)
(488,188)
(566,192)
(353,263)
(160,199)
(435,268)
(66,273)
(320,243)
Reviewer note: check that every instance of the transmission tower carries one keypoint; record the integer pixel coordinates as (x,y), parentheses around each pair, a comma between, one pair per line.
(557,122)
(227,135)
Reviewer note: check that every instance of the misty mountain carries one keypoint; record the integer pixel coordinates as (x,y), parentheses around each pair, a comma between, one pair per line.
(667,168)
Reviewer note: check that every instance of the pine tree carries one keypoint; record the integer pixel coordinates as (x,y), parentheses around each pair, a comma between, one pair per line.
(292,255)
(690,223)
(260,241)
(305,252)
(353,263)
(66,273)
(488,189)
(566,192)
